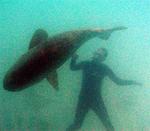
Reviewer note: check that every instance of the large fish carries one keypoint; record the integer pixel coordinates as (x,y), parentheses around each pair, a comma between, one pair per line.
(45,56)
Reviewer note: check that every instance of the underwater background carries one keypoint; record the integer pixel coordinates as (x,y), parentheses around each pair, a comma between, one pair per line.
(40,107)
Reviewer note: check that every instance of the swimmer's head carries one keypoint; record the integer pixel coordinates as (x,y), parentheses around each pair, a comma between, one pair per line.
(100,55)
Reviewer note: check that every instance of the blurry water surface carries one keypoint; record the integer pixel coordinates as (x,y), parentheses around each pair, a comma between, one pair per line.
(40,107)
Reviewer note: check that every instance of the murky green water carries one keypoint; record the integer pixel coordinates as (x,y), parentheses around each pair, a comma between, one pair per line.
(40,107)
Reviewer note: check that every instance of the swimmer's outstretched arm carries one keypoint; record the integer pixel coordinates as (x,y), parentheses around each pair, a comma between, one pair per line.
(120,81)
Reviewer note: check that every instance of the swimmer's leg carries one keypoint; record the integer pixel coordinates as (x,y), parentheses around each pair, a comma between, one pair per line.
(100,109)
(81,111)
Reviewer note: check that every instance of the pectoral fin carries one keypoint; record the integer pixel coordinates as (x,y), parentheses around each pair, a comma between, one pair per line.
(52,78)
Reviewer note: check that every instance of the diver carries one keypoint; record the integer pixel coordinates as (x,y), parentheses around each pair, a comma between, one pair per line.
(93,72)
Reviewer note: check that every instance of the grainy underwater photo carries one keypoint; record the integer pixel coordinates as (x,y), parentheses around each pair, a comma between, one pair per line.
(74,65)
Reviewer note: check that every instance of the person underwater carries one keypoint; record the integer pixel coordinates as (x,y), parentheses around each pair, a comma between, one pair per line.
(93,72)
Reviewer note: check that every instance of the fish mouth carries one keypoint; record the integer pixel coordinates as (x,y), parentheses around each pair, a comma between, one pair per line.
(9,84)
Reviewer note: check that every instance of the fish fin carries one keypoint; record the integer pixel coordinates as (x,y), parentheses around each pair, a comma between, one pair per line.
(38,37)
(52,78)
(105,34)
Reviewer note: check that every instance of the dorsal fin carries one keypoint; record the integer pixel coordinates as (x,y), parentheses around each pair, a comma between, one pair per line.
(52,78)
(38,37)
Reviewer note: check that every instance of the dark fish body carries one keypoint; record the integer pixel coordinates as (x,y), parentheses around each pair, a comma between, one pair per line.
(46,55)
(34,65)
